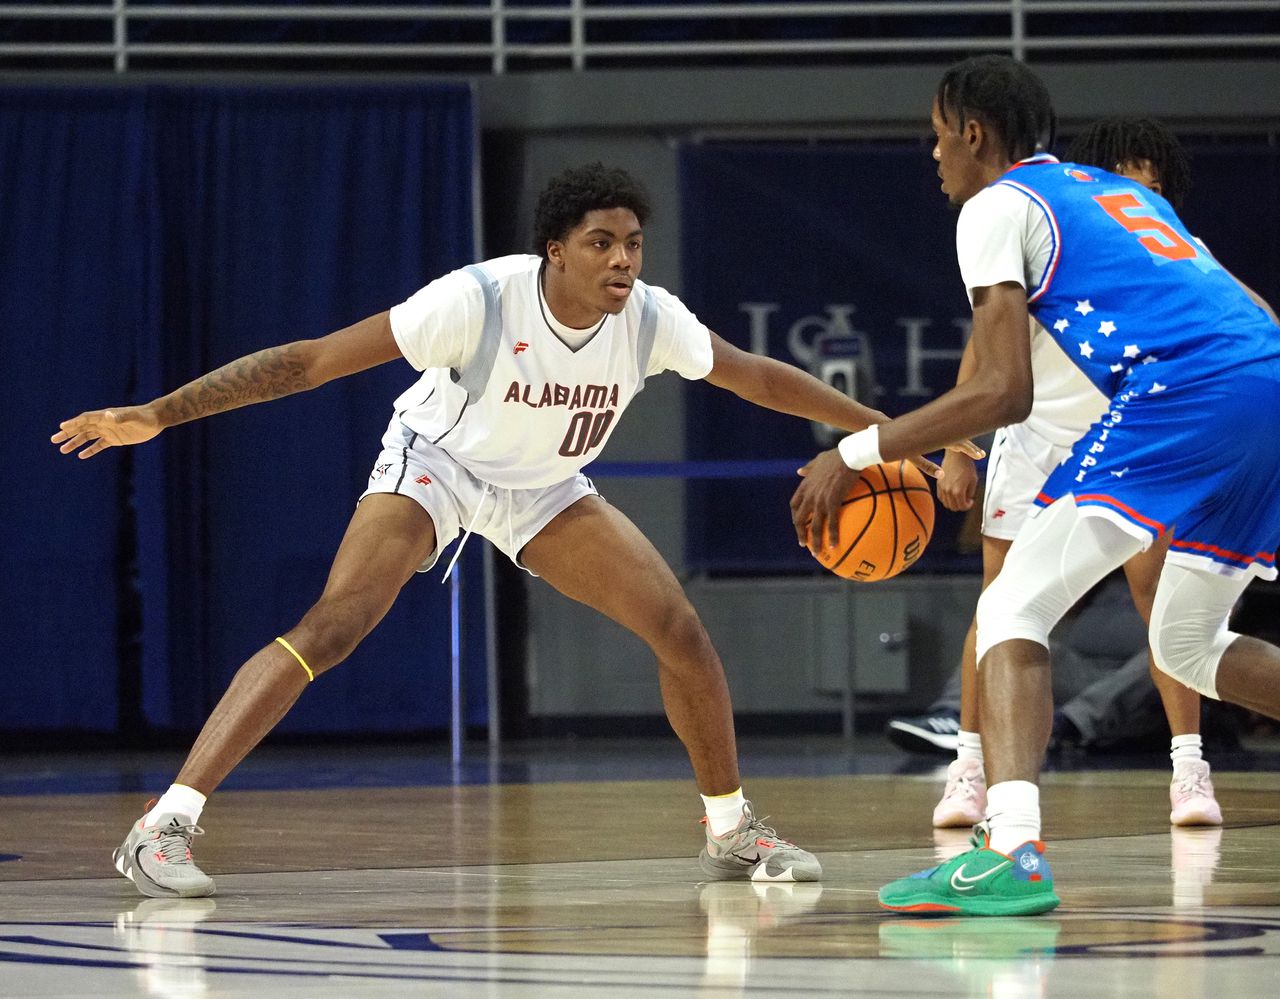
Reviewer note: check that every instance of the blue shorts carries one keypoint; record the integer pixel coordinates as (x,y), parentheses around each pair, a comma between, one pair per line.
(1203,462)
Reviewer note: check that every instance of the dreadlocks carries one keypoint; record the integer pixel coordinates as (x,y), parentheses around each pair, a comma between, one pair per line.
(1114,142)
(1005,95)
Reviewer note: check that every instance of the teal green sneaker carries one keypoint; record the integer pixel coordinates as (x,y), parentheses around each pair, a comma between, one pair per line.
(979,882)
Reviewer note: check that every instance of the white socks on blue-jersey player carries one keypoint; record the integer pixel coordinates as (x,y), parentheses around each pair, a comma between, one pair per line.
(1013,814)
(724,811)
(178,800)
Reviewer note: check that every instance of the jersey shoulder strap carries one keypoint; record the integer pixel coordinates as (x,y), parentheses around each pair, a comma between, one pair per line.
(647,334)
(474,375)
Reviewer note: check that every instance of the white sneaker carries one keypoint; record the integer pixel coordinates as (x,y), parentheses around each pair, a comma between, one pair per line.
(1191,795)
(964,802)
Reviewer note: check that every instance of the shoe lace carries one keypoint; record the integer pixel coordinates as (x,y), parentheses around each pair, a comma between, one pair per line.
(173,842)
(1193,784)
(960,785)
(981,836)
(758,829)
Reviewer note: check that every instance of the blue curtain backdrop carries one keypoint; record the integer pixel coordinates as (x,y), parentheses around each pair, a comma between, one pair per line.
(75,303)
(151,234)
(819,254)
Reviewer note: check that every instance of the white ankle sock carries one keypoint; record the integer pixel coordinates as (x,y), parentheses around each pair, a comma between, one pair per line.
(724,811)
(179,799)
(1013,813)
(1185,749)
(970,747)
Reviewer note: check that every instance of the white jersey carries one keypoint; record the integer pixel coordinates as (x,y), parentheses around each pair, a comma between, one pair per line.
(505,396)
(1066,403)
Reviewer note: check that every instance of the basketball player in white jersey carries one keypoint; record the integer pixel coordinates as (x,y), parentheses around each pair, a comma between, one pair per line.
(527,361)
(1022,456)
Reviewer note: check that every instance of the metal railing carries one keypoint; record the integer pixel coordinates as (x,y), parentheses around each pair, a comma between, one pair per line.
(498,36)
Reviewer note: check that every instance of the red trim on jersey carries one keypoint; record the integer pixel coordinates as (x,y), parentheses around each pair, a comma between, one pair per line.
(1047,279)
(1128,511)
(1267,558)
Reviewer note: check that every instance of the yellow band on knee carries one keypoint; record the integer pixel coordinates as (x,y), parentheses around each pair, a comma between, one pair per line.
(301,662)
(729,795)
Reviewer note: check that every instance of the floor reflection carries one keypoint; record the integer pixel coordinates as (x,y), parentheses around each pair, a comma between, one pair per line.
(737,915)
(160,933)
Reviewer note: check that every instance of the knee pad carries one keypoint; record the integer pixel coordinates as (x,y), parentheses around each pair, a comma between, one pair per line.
(1009,610)
(1188,632)
(1055,560)
(1189,650)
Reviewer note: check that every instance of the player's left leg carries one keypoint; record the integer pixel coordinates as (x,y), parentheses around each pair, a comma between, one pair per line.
(592,553)
(1191,641)
(1006,874)
(1191,797)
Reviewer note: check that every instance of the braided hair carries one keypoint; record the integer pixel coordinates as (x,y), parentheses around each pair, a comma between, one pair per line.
(1005,95)
(1112,143)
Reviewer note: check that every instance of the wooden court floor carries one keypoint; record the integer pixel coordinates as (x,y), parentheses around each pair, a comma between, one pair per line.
(583,883)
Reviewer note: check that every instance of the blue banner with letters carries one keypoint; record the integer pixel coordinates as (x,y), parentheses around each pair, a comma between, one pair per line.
(840,258)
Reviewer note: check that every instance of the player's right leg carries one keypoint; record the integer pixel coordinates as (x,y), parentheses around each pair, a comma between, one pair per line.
(388,538)
(1056,559)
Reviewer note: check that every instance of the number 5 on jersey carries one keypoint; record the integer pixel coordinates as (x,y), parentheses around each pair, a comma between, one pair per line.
(1156,237)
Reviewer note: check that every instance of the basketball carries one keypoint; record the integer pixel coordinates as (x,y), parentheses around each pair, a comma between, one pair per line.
(885,523)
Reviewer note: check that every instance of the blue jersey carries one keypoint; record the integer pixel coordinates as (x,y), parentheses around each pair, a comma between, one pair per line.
(1188,444)
(1130,296)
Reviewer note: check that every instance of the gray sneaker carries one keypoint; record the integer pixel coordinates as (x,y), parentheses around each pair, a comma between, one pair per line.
(158,859)
(755,852)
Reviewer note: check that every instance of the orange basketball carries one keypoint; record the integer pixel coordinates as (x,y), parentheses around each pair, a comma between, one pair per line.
(885,523)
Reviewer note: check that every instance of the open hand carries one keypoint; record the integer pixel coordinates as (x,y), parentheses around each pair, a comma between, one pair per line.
(100,429)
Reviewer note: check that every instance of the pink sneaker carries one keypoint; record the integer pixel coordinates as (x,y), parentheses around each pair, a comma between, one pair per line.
(964,802)
(1191,795)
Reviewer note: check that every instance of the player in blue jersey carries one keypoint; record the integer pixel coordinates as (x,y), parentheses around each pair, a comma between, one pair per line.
(1187,445)
(1022,456)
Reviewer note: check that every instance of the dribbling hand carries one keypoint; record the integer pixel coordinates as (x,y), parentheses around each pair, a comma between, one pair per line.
(815,506)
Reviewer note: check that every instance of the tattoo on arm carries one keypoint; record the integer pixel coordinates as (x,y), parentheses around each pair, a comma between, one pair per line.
(259,377)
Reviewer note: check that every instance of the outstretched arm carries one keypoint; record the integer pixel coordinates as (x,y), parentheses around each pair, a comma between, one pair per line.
(996,394)
(785,388)
(258,377)
(788,389)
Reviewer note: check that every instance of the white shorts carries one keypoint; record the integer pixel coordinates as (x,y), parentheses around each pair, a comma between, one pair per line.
(1019,462)
(457,501)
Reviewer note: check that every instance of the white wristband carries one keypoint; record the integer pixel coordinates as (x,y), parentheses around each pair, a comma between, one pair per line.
(861,449)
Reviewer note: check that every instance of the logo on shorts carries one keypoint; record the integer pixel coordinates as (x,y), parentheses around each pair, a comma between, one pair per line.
(423,480)
(520,347)
(380,470)
(997,515)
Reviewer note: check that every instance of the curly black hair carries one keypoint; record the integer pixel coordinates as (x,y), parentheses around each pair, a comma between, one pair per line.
(568,197)
(1005,95)
(1111,143)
